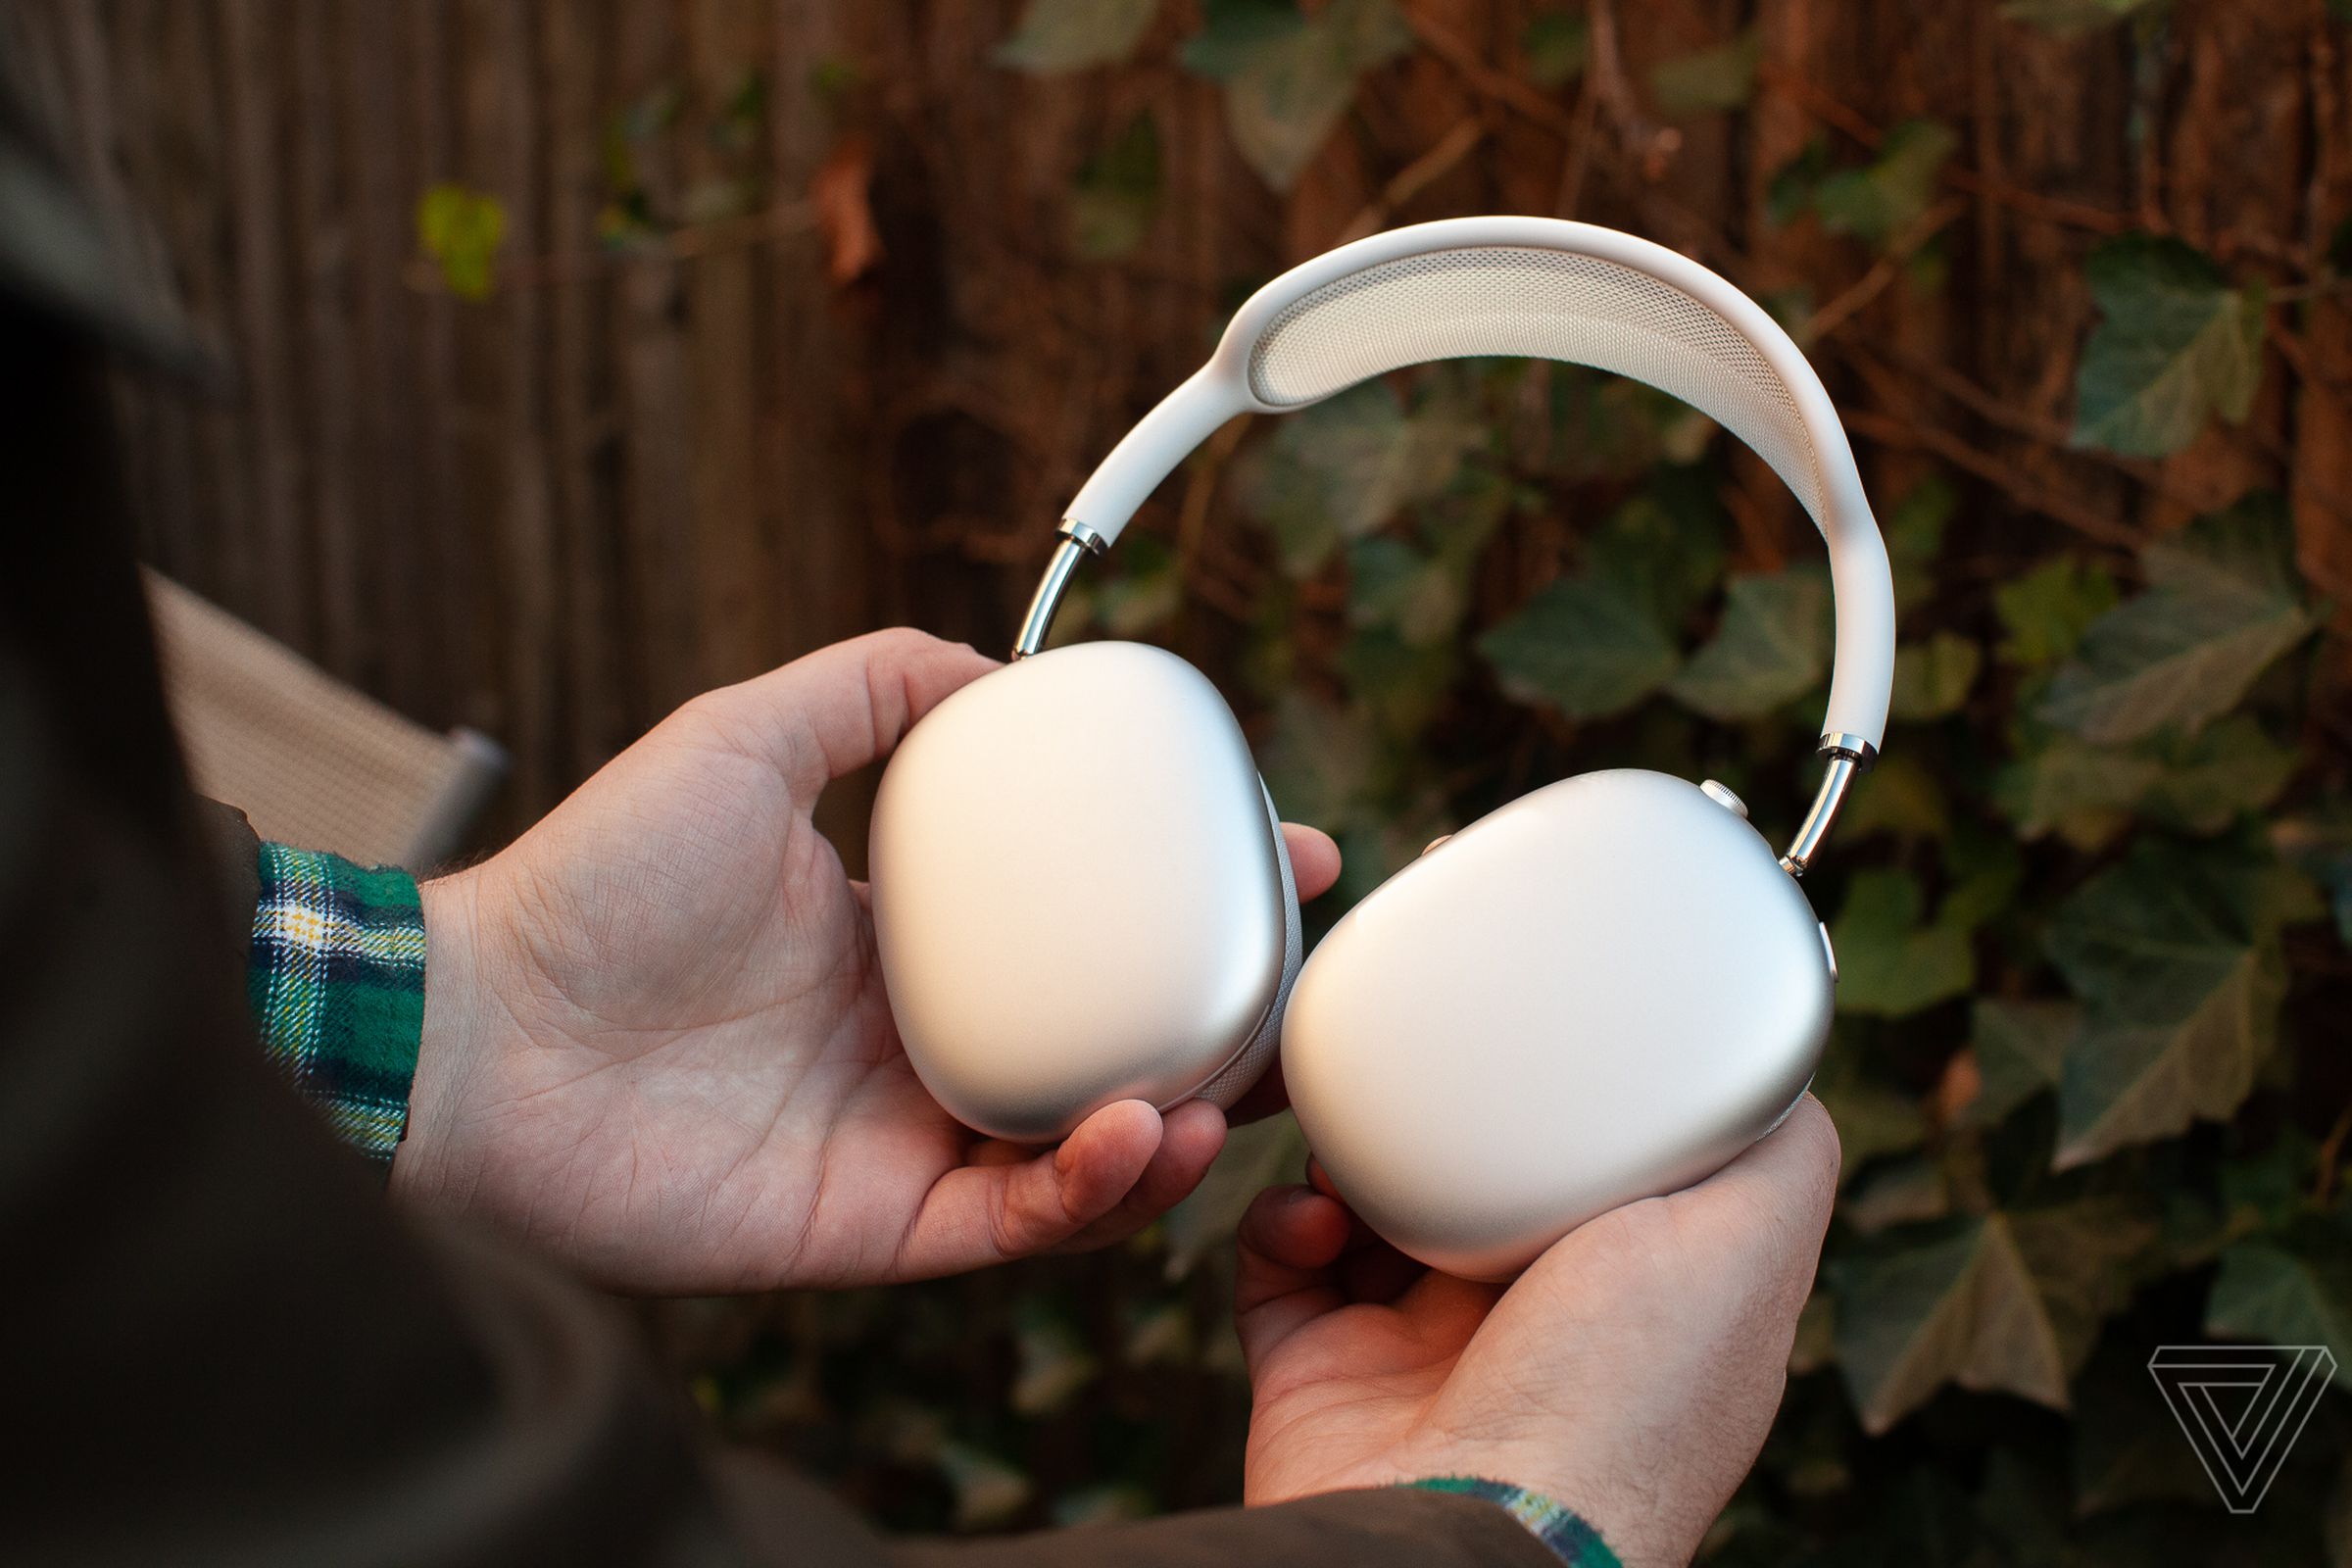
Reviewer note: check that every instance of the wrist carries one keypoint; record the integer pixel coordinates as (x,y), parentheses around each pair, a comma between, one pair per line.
(1571,1537)
(448,1054)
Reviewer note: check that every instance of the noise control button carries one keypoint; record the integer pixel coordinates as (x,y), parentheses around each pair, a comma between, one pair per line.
(1722,796)
(1828,952)
(1434,843)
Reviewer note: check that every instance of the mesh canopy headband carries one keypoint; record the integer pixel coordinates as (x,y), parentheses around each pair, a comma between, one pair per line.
(1544,288)
(1548,304)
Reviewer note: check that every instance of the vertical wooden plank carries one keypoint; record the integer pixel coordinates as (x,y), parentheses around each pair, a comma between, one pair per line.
(524,575)
(251,41)
(323,375)
(190,177)
(383,174)
(584,443)
(817,410)
(657,390)
(734,570)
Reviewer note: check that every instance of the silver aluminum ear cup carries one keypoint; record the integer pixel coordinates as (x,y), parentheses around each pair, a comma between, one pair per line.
(1236,1078)
(1079,890)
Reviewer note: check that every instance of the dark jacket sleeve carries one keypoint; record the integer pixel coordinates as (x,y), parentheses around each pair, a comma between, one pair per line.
(222,1345)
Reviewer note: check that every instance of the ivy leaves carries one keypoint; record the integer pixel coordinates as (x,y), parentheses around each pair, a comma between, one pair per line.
(2177,345)
(1340,470)
(461,230)
(2175,953)
(2005,1302)
(1116,194)
(1061,35)
(2222,602)
(1595,643)
(1289,77)
(1585,645)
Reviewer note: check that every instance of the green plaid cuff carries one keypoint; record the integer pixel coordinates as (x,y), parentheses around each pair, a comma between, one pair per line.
(1571,1539)
(337,987)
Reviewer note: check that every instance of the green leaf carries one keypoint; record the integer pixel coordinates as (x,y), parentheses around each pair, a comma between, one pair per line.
(1709,82)
(1340,470)
(1553,46)
(2002,1302)
(1392,585)
(2046,610)
(1146,592)
(2082,793)
(2065,17)
(1288,79)
(1063,35)
(2286,1294)
(1235,34)
(1880,200)
(2209,781)
(461,230)
(1117,193)
(1665,545)
(1772,648)
(1404,686)
(1588,646)
(2020,1050)
(2122,1456)
(1900,1192)
(989,1490)
(1890,962)
(2176,345)
(1902,797)
(1873,1121)
(2222,604)
(1932,679)
(2087,793)
(2175,955)
(1323,763)
(1054,1363)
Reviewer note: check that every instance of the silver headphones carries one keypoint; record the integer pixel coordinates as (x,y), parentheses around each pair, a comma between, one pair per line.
(1602,991)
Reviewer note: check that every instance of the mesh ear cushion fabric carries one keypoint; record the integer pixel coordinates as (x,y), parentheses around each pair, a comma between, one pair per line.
(1249,1064)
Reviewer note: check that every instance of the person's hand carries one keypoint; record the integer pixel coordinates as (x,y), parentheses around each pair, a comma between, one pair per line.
(1631,1373)
(657,1042)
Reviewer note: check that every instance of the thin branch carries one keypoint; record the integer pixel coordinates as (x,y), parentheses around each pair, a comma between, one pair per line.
(1911,435)
(1415,178)
(1825,322)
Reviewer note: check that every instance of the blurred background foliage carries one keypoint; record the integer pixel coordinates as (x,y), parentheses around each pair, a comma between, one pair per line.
(677,339)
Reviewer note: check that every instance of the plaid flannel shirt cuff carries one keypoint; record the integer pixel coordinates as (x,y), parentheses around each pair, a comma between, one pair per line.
(1571,1539)
(336,982)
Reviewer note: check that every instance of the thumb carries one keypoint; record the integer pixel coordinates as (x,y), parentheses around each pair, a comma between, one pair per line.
(832,712)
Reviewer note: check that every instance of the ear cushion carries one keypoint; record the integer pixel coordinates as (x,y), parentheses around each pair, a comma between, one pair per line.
(1233,1079)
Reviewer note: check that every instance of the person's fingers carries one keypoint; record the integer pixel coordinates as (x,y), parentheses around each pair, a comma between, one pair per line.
(1314,860)
(1290,1237)
(1190,1136)
(984,1212)
(1777,1195)
(836,710)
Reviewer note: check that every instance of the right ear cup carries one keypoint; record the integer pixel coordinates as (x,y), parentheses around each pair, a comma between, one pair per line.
(1236,1077)
(1079,893)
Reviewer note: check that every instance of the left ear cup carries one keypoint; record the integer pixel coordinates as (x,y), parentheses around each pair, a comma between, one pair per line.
(1236,1078)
